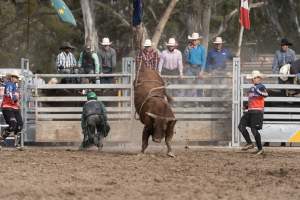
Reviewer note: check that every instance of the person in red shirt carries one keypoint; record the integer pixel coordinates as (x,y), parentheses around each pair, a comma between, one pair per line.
(253,117)
(11,110)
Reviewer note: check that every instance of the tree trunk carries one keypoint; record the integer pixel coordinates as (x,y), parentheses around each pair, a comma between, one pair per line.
(90,32)
(199,19)
(162,23)
(293,6)
(206,22)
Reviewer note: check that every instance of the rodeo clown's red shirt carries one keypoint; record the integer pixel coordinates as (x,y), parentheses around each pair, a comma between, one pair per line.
(11,96)
(256,96)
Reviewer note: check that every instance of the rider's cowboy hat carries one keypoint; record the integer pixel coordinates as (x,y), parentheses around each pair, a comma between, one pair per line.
(171,42)
(13,74)
(66,45)
(218,40)
(284,71)
(147,43)
(194,36)
(254,74)
(285,41)
(105,41)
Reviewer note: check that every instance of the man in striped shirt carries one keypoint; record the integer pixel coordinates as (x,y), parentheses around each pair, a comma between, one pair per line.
(66,61)
(148,57)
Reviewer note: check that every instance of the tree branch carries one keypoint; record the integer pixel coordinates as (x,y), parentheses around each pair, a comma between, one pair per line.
(223,26)
(162,23)
(118,15)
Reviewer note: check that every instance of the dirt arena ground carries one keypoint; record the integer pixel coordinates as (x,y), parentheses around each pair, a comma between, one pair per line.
(203,173)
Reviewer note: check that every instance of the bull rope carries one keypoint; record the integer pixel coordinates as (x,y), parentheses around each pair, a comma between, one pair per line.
(147,98)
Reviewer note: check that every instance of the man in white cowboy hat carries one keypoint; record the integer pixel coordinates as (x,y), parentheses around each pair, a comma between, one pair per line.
(148,57)
(195,60)
(89,61)
(218,56)
(170,62)
(107,58)
(66,61)
(11,110)
(283,56)
(253,116)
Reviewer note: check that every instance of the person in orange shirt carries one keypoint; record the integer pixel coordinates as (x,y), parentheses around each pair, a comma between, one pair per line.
(253,117)
(11,110)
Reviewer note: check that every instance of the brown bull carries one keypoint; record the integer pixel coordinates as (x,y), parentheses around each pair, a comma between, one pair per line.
(152,105)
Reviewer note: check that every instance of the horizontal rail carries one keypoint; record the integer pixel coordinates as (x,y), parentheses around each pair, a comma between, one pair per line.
(275,86)
(128,109)
(282,116)
(282,109)
(128,116)
(80,99)
(84,86)
(81,75)
(79,109)
(278,99)
(196,86)
(202,99)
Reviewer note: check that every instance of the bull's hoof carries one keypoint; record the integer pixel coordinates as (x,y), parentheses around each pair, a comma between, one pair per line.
(171,154)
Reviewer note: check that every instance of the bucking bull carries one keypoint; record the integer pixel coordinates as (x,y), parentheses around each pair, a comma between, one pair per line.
(152,105)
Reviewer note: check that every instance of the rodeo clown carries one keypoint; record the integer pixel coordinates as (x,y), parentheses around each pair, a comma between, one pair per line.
(93,122)
(253,117)
(11,110)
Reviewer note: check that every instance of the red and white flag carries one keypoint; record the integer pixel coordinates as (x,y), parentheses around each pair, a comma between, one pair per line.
(244,14)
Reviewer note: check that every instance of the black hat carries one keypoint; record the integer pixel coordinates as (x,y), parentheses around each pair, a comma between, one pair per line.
(285,41)
(66,45)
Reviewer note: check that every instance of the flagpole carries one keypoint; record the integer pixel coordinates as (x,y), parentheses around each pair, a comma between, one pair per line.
(238,53)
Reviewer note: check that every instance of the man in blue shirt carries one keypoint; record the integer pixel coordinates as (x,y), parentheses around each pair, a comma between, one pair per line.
(218,56)
(195,58)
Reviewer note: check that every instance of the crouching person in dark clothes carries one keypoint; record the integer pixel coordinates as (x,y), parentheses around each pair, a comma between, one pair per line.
(11,110)
(253,118)
(93,122)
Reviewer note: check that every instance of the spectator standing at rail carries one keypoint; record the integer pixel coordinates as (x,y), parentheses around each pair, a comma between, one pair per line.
(11,110)
(89,62)
(218,57)
(170,62)
(148,57)
(283,56)
(253,117)
(195,57)
(216,62)
(107,58)
(66,61)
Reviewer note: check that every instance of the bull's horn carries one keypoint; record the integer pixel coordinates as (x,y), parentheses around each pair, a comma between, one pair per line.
(152,115)
(160,117)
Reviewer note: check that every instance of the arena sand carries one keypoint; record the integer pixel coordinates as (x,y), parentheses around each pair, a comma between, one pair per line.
(205,173)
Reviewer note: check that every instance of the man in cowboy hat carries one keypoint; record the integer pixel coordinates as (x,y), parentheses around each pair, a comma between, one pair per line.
(253,116)
(66,61)
(283,56)
(107,58)
(148,57)
(195,59)
(170,62)
(89,61)
(218,56)
(11,109)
